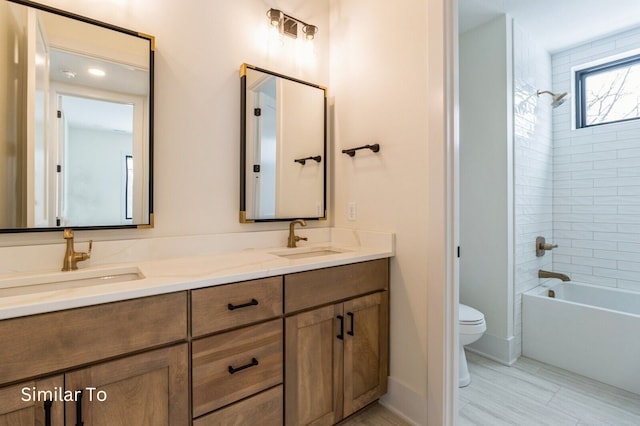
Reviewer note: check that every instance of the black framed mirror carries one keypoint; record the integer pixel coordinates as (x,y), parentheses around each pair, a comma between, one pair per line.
(76,121)
(283,147)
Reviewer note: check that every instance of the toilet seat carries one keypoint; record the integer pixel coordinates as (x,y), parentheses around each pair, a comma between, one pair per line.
(469,316)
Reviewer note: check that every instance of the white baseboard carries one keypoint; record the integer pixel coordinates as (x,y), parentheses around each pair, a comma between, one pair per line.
(405,402)
(499,349)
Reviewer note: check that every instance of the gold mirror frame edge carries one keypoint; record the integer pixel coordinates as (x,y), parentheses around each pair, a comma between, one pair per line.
(150,225)
(243,218)
(151,38)
(243,69)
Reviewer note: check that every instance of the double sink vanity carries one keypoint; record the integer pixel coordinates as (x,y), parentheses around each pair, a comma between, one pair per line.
(285,335)
(241,328)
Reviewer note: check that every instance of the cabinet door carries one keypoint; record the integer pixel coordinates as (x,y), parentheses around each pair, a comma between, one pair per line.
(33,403)
(146,389)
(313,368)
(365,350)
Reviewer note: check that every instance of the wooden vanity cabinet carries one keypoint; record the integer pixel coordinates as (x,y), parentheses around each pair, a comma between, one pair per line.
(237,353)
(336,354)
(304,348)
(108,348)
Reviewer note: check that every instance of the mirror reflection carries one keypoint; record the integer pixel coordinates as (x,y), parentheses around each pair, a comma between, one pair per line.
(75,114)
(283,147)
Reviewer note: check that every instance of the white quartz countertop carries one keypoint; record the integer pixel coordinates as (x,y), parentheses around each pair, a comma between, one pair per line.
(177,274)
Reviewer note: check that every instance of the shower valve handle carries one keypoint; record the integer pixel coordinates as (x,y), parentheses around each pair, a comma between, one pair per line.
(542,246)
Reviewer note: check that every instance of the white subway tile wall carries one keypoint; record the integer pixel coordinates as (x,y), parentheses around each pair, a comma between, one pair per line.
(533,164)
(596,182)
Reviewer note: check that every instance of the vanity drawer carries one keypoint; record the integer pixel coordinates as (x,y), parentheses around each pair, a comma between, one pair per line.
(228,306)
(266,406)
(305,290)
(40,344)
(233,365)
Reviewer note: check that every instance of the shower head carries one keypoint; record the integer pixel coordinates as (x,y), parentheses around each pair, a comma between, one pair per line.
(557,99)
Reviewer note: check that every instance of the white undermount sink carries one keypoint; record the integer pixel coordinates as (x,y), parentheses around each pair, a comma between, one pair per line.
(307,252)
(62,280)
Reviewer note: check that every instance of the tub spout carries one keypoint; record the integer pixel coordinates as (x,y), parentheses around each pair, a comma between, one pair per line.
(548,274)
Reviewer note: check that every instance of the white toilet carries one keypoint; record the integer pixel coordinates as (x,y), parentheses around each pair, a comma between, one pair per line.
(472,326)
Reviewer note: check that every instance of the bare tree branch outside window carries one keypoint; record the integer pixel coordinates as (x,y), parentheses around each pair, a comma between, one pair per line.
(613,95)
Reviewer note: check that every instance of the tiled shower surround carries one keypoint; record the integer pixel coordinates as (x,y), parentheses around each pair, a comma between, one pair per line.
(596,182)
(533,164)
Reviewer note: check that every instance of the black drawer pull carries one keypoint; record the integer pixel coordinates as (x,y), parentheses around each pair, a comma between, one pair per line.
(79,421)
(253,363)
(253,302)
(341,335)
(350,315)
(47,413)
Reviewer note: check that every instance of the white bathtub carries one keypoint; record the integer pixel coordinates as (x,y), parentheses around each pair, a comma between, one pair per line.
(590,330)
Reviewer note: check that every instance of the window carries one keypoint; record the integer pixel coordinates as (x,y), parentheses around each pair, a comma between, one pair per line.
(608,92)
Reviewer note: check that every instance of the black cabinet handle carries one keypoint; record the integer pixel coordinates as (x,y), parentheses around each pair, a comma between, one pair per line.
(350,315)
(341,335)
(253,363)
(79,421)
(253,302)
(47,413)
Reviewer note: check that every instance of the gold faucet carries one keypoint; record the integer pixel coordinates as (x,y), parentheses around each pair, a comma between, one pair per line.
(72,257)
(548,274)
(293,238)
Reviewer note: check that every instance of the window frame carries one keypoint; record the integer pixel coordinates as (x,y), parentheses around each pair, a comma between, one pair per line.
(580,77)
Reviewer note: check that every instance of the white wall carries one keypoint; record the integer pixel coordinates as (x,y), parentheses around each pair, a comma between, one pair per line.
(381,70)
(596,182)
(199,49)
(533,167)
(486,181)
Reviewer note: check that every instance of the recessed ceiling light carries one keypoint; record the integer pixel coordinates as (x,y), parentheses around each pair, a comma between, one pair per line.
(97,72)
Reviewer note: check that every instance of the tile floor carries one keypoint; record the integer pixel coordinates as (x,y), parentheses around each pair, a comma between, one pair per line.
(375,415)
(529,393)
(533,393)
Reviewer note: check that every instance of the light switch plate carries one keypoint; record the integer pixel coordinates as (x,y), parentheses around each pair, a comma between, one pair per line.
(352,213)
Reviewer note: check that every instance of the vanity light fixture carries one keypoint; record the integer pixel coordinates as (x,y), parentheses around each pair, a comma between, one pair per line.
(309,31)
(288,25)
(275,16)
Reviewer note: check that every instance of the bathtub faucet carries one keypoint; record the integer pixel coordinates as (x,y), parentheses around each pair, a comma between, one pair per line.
(548,274)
